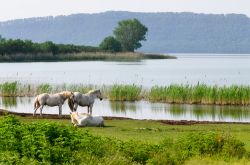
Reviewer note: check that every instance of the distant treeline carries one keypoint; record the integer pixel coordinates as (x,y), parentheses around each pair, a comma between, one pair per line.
(11,47)
(168,32)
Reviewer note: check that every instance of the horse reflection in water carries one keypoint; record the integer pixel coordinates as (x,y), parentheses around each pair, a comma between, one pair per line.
(87,99)
(51,100)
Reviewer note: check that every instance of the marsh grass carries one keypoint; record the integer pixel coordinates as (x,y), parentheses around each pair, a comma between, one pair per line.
(82,56)
(43,88)
(180,94)
(201,94)
(124,93)
(8,89)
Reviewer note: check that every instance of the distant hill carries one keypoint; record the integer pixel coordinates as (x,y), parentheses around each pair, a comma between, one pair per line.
(168,32)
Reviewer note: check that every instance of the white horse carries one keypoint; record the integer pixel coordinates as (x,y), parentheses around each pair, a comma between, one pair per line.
(83,120)
(51,100)
(87,99)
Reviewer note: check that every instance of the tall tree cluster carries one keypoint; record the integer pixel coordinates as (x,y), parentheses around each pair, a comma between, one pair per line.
(128,33)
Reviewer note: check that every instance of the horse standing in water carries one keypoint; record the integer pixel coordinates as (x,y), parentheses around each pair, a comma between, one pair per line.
(51,100)
(87,99)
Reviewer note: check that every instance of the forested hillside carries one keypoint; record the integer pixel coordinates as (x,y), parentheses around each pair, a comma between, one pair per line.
(167,32)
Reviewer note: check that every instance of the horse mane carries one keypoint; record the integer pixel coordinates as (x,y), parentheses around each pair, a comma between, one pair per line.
(93,91)
(65,94)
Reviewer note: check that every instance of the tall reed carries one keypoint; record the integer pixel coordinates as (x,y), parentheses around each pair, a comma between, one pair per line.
(124,92)
(8,89)
(201,94)
(182,94)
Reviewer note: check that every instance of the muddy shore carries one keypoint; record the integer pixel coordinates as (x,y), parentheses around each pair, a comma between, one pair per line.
(170,122)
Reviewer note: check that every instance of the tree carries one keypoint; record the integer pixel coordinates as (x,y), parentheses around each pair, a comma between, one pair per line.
(129,33)
(110,44)
(50,47)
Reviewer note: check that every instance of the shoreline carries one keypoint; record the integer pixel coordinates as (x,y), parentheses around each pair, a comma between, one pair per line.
(83,56)
(168,122)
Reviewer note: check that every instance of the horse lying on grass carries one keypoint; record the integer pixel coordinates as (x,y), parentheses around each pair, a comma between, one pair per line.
(83,120)
(51,100)
(87,99)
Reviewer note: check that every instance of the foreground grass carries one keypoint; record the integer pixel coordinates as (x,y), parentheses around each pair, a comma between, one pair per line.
(154,131)
(82,56)
(180,94)
(122,142)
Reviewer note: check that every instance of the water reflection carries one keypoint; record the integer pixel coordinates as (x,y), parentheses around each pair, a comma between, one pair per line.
(122,107)
(9,102)
(142,110)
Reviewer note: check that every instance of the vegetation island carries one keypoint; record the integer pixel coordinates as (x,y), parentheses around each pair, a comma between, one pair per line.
(120,47)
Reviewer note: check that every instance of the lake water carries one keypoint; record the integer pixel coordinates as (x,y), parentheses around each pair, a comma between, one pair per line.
(141,110)
(191,69)
(220,70)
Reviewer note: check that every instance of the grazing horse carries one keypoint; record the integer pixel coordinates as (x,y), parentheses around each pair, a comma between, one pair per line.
(83,119)
(87,99)
(51,100)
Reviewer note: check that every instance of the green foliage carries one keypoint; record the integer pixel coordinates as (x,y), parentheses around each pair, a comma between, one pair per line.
(211,144)
(16,47)
(110,44)
(124,92)
(201,94)
(187,94)
(50,47)
(129,33)
(9,88)
(43,88)
(52,143)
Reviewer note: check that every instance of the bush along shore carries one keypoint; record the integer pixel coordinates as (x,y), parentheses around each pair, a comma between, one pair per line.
(50,142)
(82,56)
(178,94)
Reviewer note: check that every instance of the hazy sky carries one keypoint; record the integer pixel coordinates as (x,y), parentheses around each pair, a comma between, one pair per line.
(13,9)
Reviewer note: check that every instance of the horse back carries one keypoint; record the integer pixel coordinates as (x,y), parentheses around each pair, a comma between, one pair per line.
(82,99)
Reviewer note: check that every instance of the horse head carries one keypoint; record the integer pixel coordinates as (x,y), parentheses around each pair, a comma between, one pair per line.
(99,94)
(71,102)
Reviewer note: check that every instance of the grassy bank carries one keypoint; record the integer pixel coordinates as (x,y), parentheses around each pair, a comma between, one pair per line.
(82,56)
(32,141)
(181,94)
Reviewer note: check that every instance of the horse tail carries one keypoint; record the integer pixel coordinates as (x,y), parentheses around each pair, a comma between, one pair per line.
(71,104)
(36,103)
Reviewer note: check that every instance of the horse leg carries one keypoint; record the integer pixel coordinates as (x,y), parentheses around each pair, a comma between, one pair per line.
(90,109)
(35,110)
(60,110)
(41,109)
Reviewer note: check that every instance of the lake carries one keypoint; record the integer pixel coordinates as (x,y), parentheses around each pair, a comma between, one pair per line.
(141,110)
(187,69)
(220,70)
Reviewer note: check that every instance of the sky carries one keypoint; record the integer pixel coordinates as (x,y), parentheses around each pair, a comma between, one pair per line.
(15,9)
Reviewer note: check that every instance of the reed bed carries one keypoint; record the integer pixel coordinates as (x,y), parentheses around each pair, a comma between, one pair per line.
(180,94)
(201,94)
(124,93)
(82,56)
(8,89)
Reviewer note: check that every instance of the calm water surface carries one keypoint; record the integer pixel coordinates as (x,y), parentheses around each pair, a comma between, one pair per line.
(141,110)
(222,70)
(191,69)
